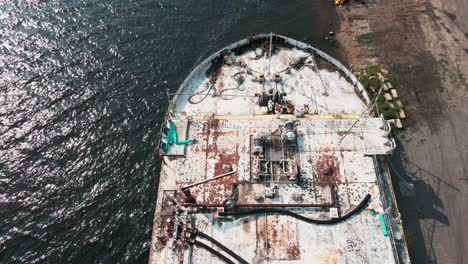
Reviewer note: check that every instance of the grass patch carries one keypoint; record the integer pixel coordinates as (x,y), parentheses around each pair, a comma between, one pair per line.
(385,108)
(365,39)
(369,77)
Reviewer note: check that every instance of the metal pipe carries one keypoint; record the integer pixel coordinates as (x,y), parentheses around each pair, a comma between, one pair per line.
(212,251)
(221,246)
(362,114)
(207,180)
(263,205)
(266,205)
(265,211)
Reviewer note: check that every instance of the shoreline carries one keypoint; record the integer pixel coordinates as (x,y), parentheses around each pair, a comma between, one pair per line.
(425,51)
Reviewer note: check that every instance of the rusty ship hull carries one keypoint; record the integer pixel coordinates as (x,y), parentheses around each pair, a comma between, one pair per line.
(272,153)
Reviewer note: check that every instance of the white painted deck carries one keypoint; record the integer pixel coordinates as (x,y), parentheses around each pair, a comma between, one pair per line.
(324,91)
(223,126)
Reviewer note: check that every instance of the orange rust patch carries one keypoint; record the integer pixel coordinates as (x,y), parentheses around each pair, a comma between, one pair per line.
(224,160)
(331,256)
(327,168)
(277,238)
(294,252)
(220,83)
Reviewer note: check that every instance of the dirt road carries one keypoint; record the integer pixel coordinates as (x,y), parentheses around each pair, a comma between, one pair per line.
(424,46)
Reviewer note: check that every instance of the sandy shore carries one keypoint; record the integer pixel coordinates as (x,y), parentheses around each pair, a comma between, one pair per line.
(424,46)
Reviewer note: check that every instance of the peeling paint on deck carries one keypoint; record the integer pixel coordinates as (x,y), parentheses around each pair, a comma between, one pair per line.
(335,165)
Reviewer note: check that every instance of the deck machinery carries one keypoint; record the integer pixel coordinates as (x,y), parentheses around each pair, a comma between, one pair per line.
(275,156)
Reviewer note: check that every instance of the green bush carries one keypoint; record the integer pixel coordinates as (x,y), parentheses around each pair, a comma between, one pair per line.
(369,78)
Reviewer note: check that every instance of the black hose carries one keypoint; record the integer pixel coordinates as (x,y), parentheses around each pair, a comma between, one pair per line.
(207,90)
(210,87)
(212,251)
(229,89)
(244,67)
(298,216)
(221,246)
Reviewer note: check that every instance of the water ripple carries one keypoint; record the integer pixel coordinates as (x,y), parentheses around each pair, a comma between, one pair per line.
(82,93)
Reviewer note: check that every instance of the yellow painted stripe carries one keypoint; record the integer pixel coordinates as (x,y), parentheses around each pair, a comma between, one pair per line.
(272,117)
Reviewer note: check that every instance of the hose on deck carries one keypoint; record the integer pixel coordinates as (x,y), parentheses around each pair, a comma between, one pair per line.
(211,90)
(221,246)
(212,251)
(359,207)
(208,88)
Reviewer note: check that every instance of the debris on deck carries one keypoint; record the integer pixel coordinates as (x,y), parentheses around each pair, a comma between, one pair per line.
(282,167)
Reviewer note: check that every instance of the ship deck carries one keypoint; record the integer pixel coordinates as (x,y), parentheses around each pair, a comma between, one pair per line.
(221,186)
(224,145)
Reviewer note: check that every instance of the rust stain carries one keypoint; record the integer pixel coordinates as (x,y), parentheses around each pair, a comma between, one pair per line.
(293,252)
(216,190)
(331,256)
(220,83)
(327,168)
(210,129)
(226,159)
(226,162)
(277,238)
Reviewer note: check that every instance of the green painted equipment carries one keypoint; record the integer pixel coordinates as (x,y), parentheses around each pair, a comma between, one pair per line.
(383,225)
(172,137)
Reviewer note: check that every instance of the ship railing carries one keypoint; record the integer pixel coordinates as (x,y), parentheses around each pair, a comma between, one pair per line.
(331,60)
(194,73)
(387,208)
(169,114)
(298,44)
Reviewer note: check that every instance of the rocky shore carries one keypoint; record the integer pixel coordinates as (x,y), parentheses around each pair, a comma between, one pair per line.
(423,45)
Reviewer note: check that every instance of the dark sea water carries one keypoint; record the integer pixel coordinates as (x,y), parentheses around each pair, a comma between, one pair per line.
(82,94)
